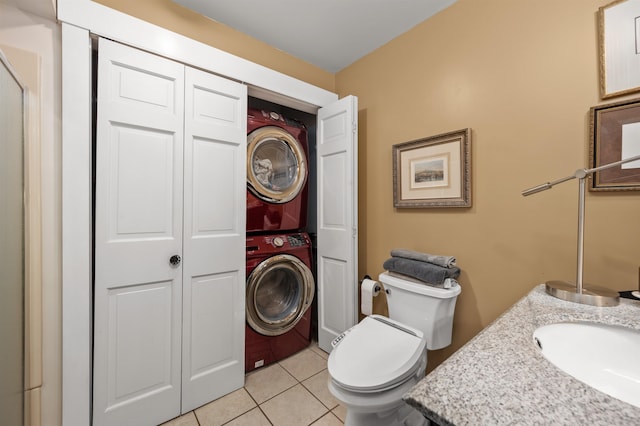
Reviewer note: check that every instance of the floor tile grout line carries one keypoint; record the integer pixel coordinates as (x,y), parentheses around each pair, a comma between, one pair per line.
(329,410)
(288,372)
(259,406)
(314,395)
(196,416)
(324,415)
(318,418)
(298,382)
(256,406)
(265,415)
(273,396)
(306,378)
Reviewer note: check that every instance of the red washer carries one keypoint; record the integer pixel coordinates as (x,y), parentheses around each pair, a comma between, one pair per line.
(279,294)
(277,170)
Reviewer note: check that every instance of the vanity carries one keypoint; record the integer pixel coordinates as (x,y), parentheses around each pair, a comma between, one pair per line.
(501,377)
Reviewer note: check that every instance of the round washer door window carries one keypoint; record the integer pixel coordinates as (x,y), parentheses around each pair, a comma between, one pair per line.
(279,292)
(276,164)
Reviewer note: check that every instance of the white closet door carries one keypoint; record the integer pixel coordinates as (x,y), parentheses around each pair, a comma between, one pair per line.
(214,238)
(337,142)
(138,228)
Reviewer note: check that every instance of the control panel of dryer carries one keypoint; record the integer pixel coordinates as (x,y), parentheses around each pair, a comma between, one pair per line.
(279,242)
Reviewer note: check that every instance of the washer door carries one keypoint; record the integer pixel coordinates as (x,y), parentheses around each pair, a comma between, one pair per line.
(279,291)
(276,164)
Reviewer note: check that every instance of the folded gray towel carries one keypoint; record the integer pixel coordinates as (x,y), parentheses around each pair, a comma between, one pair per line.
(423,271)
(444,261)
(448,282)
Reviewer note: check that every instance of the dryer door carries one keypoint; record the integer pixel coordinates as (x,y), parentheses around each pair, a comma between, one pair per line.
(279,292)
(276,164)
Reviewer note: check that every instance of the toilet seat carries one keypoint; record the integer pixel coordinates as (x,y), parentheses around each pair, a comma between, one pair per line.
(376,355)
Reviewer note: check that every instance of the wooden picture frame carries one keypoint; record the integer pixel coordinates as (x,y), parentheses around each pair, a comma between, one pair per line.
(614,136)
(619,44)
(433,172)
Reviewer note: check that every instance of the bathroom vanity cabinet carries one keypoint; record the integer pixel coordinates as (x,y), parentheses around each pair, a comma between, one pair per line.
(500,377)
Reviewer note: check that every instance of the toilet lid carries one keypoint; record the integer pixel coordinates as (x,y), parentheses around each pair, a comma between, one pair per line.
(375,355)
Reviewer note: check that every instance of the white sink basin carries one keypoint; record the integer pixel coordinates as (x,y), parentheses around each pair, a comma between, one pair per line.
(605,357)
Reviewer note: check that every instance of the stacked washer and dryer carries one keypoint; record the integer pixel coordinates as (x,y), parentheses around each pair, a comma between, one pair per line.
(280,285)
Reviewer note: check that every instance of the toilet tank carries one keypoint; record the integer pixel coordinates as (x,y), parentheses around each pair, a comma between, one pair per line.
(427,308)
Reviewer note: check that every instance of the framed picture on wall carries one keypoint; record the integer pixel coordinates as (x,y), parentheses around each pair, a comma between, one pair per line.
(615,136)
(619,42)
(433,172)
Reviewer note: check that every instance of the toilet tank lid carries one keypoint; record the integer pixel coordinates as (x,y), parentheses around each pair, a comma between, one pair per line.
(416,286)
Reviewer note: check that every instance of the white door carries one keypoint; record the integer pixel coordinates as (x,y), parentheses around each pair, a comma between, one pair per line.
(138,228)
(337,263)
(170,221)
(214,238)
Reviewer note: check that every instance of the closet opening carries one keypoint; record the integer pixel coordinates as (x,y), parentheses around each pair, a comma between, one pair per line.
(309,120)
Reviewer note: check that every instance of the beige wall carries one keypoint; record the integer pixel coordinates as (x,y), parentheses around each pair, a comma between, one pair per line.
(522,75)
(176,18)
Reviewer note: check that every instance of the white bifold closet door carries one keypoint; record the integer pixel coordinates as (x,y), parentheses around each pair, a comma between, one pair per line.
(214,239)
(337,143)
(169,238)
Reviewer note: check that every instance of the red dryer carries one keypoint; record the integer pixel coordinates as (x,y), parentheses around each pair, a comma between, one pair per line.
(277,170)
(279,295)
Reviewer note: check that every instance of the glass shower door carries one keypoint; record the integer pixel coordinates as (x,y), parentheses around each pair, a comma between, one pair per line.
(11,248)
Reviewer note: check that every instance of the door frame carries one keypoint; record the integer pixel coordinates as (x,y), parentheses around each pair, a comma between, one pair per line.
(80,19)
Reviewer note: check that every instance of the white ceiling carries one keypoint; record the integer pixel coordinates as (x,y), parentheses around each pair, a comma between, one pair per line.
(330,34)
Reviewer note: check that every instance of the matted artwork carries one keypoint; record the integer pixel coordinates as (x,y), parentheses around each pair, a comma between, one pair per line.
(619,40)
(433,172)
(615,136)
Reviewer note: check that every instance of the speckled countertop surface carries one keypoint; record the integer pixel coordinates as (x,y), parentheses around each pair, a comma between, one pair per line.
(500,378)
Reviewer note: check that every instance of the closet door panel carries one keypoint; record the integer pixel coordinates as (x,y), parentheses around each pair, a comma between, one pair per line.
(214,238)
(138,227)
(132,216)
(214,324)
(337,219)
(136,340)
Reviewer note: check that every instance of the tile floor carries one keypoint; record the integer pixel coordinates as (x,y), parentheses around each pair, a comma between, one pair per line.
(292,392)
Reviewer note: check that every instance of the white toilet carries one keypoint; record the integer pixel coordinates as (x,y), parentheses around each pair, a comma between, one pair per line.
(378,360)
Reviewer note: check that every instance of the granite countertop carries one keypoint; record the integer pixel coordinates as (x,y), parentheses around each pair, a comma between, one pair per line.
(500,378)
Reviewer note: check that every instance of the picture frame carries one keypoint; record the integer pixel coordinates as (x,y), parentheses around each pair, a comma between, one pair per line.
(433,171)
(619,45)
(614,136)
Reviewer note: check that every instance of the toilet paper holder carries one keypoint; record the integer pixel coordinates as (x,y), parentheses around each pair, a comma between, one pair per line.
(369,290)
(377,287)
